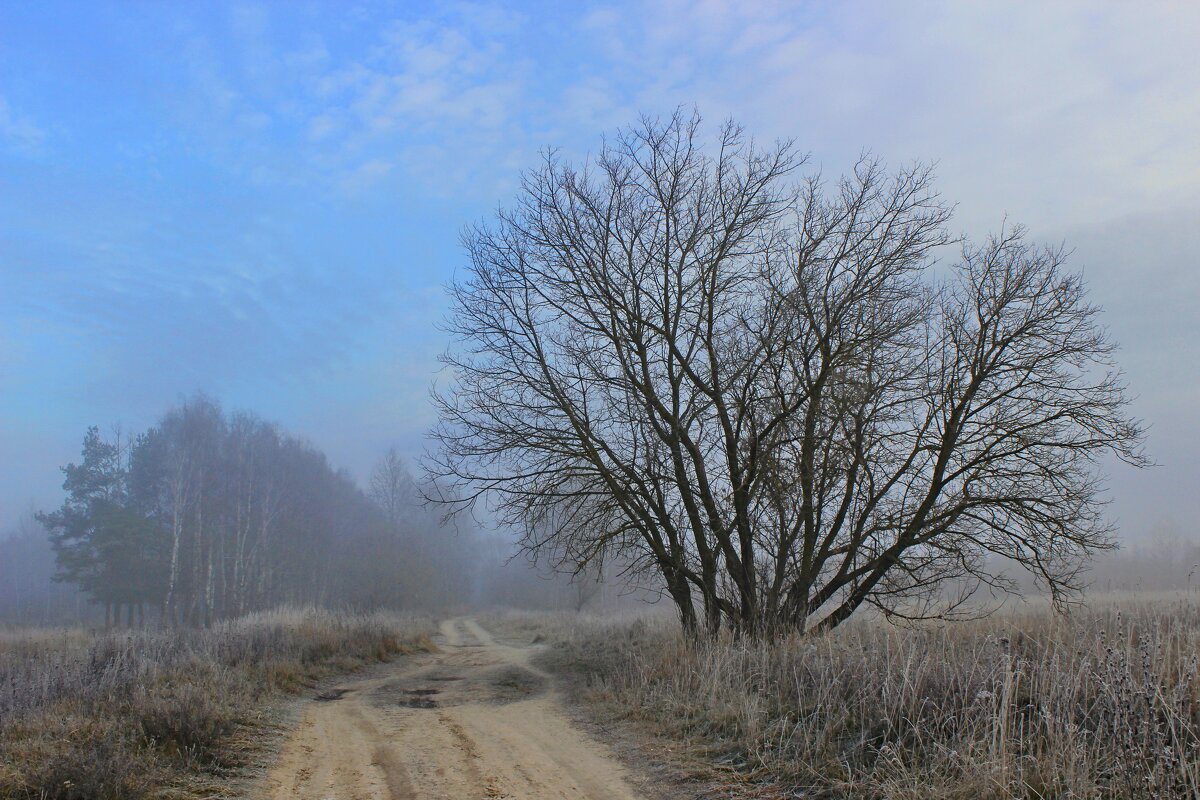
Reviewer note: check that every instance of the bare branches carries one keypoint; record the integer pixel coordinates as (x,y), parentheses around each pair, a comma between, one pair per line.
(757,388)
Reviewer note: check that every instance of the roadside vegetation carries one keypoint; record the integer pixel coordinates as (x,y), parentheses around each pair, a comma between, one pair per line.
(1103,703)
(138,714)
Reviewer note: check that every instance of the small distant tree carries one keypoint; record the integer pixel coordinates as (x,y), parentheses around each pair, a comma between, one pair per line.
(757,385)
(392,488)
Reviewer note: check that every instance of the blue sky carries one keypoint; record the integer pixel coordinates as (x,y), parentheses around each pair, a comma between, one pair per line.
(262,200)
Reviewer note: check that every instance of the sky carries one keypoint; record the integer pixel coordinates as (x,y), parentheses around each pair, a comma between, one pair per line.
(263,201)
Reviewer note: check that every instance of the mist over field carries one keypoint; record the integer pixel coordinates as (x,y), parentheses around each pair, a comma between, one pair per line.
(264,205)
(604,400)
(269,215)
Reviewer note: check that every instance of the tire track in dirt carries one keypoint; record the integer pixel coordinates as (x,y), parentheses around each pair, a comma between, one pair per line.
(474,720)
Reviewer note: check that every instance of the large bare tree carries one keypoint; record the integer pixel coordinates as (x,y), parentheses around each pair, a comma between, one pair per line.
(765,390)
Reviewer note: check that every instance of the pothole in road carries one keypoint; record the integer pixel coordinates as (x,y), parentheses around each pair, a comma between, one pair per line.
(494,684)
(419,702)
(411,692)
(511,684)
(419,698)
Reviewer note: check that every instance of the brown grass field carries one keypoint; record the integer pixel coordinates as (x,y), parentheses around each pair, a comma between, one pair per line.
(1103,703)
(167,713)
(1026,703)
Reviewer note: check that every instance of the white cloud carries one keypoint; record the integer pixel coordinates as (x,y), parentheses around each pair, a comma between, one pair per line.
(435,96)
(18,131)
(1055,113)
(366,175)
(1059,112)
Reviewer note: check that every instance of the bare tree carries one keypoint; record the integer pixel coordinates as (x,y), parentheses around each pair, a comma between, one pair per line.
(759,388)
(392,488)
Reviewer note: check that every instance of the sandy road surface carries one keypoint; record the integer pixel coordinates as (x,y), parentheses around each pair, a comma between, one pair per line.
(472,721)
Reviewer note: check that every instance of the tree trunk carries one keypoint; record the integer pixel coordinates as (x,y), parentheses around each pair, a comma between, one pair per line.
(681,593)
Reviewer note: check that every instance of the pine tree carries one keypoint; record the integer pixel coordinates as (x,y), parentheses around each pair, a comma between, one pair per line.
(101,542)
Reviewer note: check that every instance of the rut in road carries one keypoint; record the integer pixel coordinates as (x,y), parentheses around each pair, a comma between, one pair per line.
(475,720)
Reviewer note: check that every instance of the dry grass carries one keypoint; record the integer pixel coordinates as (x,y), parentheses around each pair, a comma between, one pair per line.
(145,714)
(1025,704)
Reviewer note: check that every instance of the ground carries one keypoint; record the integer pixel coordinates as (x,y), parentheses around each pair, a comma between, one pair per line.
(474,720)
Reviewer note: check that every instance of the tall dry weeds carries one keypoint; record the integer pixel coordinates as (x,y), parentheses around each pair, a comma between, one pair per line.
(1103,703)
(136,714)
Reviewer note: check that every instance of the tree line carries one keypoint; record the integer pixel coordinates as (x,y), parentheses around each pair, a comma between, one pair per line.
(208,515)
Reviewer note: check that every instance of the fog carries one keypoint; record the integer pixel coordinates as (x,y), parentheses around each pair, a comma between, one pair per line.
(261,205)
(210,514)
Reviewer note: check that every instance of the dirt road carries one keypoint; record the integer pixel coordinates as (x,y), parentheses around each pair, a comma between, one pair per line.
(475,720)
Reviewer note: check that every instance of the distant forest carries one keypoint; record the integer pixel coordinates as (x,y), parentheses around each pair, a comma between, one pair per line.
(209,515)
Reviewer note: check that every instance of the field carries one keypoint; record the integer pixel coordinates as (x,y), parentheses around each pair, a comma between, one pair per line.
(1027,703)
(1023,704)
(167,713)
